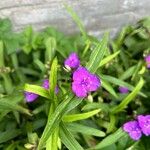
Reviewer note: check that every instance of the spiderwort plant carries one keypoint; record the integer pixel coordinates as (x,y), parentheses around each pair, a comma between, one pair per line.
(57,118)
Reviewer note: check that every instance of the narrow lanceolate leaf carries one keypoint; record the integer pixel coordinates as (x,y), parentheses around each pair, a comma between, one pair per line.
(76,127)
(1,54)
(128,73)
(53,78)
(110,139)
(77,20)
(13,107)
(108,58)
(76,117)
(96,105)
(63,108)
(37,90)
(129,98)
(53,121)
(97,54)
(119,82)
(52,142)
(68,139)
(109,88)
(9,134)
(50,44)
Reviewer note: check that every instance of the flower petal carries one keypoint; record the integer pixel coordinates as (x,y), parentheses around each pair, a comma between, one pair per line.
(79,90)
(94,83)
(30,97)
(144,123)
(72,61)
(135,135)
(80,74)
(45,84)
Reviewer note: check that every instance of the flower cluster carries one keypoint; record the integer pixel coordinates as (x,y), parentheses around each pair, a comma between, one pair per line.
(136,128)
(30,97)
(83,81)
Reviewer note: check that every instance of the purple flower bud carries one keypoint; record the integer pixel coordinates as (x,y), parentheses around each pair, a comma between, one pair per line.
(147,60)
(84,82)
(144,123)
(72,61)
(133,129)
(30,97)
(123,90)
(46,85)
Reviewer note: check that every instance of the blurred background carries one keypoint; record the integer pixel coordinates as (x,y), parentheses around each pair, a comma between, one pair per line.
(96,15)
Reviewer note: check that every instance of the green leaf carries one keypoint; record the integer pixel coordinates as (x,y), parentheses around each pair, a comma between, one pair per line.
(5,26)
(53,121)
(94,105)
(52,142)
(9,134)
(28,35)
(50,44)
(12,146)
(77,20)
(129,98)
(10,103)
(37,90)
(76,117)
(109,139)
(76,127)
(137,69)
(53,79)
(108,58)
(109,88)
(68,139)
(97,54)
(119,82)
(40,65)
(128,73)
(1,54)
(7,105)
(11,44)
(125,30)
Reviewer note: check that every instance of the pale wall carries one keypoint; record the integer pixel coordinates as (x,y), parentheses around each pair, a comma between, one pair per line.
(97,15)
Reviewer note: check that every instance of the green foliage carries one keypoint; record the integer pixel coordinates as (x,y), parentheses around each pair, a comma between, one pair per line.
(76,117)
(29,57)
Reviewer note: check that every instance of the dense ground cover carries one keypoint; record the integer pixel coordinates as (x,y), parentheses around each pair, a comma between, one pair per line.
(74,92)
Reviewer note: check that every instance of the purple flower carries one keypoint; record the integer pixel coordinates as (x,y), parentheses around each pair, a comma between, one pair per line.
(84,82)
(46,85)
(133,129)
(144,123)
(30,97)
(72,61)
(147,60)
(123,89)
